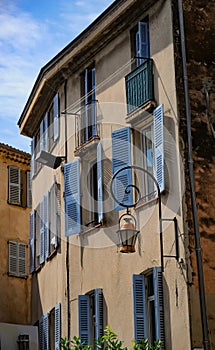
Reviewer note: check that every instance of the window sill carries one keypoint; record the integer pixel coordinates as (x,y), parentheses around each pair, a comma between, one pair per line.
(86,146)
(141,112)
(22,277)
(90,229)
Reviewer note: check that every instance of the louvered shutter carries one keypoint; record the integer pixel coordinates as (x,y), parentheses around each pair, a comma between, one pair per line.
(139,302)
(57,326)
(159,304)
(46,331)
(46,225)
(32,235)
(159,146)
(55,210)
(93,106)
(14,185)
(45,133)
(72,197)
(56,117)
(29,193)
(32,156)
(41,334)
(84,318)
(13,258)
(42,251)
(22,259)
(121,157)
(100,182)
(87,106)
(98,296)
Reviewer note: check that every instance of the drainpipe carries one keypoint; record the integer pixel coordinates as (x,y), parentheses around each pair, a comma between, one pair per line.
(192,185)
(67,239)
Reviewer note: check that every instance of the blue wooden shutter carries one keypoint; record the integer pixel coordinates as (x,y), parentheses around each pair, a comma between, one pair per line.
(142,42)
(55,204)
(159,146)
(121,157)
(42,252)
(72,197)
(98,295)
(100,182)
(46,331)
(32,156)
(93,106)
(159,304)
(46,224)
(86,101)
(84,318)
(56,116)
(57,326)
(139,302)
(32,234)
(45,135)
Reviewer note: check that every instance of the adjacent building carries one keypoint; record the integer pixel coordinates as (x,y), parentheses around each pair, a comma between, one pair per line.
(108,122)
(15,286)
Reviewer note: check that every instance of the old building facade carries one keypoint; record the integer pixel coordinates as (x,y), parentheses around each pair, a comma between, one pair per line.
(105,113)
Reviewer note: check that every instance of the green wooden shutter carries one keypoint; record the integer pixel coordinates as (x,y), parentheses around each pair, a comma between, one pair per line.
(14,185)
(139,303)
(100,182)
(32,238)
(57,326)
(159,147)
(159,304)
(72,197)
(56,117)
(84,318)
(121,157)
(99,308)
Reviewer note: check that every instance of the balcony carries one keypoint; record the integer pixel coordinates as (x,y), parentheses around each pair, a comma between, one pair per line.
(86,126)
(140,86)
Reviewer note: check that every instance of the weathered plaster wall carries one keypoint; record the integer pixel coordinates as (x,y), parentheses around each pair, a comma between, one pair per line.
(199,24)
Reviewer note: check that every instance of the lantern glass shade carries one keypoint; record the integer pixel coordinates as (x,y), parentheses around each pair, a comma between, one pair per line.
(127,240)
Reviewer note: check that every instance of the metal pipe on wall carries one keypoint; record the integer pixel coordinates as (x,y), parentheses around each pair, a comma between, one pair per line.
(192,185)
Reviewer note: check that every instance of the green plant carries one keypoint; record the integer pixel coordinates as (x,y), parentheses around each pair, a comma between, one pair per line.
(109,341)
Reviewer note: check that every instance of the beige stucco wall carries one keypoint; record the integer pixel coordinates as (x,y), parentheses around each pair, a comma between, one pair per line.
(95,261)
(14,292)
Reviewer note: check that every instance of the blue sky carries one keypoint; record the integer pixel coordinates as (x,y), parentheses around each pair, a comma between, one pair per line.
(31,33)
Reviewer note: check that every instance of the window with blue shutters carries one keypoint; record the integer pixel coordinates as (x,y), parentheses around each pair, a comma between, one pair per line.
(91,316)
(32,240)
(72,197)
(121,157)
(142,42)
(50,329)
(149,306)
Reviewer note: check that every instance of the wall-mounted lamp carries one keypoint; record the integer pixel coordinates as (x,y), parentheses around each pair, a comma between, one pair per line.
(127,230)
(49,159)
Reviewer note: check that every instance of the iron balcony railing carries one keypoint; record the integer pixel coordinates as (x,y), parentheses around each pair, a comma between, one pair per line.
(139,86)
(86,126)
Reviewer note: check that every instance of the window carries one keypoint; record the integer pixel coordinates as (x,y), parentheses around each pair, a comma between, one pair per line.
(50,329)
(17,259)
(140,42)
(88,112)
(149,306)
(45,227)
(87,209)
(19,186)
(91,316)
(47,134)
